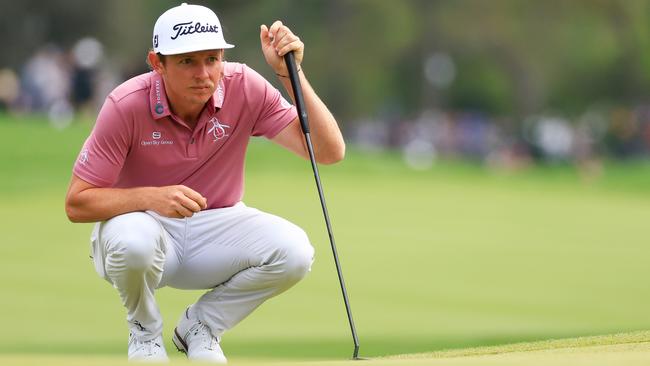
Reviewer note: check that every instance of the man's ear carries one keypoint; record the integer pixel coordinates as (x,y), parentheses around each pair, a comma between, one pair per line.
(154,61)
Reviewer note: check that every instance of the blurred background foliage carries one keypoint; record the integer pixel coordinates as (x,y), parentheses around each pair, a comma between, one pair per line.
(556,63)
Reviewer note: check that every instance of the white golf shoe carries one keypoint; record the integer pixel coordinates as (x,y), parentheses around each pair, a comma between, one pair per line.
(195,340)
(147,351)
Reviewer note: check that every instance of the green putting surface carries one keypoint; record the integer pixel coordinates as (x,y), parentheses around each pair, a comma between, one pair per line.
(628,349)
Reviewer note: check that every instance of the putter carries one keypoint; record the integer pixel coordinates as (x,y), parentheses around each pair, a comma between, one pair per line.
(290,60)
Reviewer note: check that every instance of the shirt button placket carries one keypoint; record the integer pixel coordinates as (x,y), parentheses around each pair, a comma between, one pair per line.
(191,147)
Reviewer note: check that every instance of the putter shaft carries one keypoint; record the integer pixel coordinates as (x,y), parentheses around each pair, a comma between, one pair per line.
(302,115)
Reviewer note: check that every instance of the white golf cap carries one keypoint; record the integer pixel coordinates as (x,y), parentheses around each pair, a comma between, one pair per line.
(188,28)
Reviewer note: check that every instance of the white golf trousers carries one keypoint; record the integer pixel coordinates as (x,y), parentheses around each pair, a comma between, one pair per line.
(242,255)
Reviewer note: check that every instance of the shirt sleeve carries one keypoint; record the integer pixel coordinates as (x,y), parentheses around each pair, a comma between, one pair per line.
(102,155)
(273,111)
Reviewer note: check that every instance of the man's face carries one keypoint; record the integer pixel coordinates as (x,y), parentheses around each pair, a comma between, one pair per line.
(191,78)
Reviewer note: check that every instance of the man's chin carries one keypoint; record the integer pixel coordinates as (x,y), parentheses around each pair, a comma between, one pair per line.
(199,98)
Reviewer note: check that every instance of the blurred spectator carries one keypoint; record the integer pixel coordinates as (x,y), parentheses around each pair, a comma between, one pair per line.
(60,84)
(622,133)
(553,136)
(45,80)
(370,135)
(86,54)
(438,134)
(9,89)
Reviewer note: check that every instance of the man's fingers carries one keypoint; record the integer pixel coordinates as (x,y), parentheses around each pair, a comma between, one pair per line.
(189,204)
(277,41)
(274,28)
(184,212)
(293,46)
(195,197)
(264,34)
(285,41)
(280,36)
(173,214)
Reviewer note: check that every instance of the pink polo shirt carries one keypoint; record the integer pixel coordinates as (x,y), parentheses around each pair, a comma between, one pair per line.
(138,142)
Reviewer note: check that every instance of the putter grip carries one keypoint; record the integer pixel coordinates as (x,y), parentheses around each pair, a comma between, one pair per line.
(290,60)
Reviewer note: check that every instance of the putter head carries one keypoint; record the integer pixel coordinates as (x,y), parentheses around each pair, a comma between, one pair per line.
(355,354)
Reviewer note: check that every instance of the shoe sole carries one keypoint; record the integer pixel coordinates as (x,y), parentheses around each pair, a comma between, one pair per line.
(178,341)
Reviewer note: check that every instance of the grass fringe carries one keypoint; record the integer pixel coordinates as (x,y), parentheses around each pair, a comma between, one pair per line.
(579,342)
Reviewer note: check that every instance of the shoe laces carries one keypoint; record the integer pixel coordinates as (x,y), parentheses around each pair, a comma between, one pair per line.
(202,332)
(150,347)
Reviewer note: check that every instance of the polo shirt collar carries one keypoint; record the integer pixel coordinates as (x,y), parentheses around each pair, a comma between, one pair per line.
(159,104)
(157,97)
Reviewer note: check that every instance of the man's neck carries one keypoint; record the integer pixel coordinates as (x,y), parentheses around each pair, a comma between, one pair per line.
(189,115)
(187,112)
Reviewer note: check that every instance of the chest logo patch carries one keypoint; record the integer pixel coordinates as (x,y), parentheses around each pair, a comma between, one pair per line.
(157,139)
(218,130)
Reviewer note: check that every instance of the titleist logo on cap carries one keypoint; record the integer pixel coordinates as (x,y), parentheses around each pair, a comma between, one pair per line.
(186,28)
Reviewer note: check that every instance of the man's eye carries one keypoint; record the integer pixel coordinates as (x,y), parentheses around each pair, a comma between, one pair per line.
(212,59)
(186,61)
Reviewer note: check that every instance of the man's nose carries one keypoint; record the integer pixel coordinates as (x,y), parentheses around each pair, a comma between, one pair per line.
(201,71)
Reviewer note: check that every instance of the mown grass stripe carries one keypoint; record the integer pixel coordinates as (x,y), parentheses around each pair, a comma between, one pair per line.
(604,340)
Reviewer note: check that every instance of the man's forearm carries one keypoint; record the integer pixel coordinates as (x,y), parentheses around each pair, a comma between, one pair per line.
(99,204)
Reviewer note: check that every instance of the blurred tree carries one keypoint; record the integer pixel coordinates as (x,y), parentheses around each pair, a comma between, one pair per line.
(370,57)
